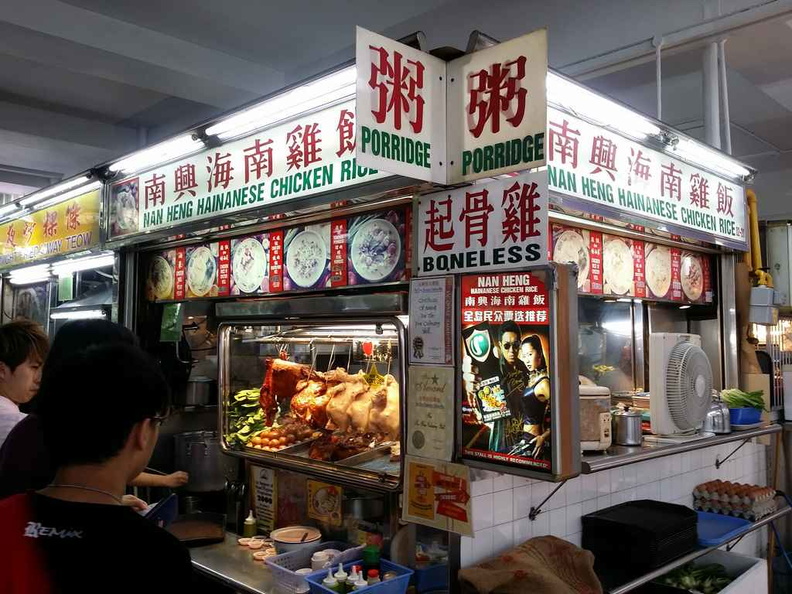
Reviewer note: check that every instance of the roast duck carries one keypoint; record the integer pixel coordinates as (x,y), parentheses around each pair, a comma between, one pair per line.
(359,414)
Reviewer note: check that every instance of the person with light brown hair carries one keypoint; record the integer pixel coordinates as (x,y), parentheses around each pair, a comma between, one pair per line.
(23,349)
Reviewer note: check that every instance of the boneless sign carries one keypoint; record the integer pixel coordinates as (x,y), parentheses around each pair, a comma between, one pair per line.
(493,226)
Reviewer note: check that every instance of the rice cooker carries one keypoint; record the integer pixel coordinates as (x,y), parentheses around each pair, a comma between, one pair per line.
(595,418)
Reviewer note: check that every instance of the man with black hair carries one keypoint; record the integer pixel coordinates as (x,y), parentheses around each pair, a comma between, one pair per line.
(75,535)
(23,348)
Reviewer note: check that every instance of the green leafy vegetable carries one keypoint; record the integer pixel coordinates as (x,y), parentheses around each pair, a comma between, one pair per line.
(736,398)
(706,579)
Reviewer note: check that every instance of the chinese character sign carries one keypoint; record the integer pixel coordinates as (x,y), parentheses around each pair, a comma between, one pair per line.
(68,227)
(308,155)
(401,94)
(505,347)
(603,173)
(497,109)
(500,225)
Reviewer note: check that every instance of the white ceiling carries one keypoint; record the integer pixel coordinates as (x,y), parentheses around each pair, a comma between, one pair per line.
(84,81)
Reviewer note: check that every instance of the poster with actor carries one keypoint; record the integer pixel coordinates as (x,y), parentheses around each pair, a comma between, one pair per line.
(505,353)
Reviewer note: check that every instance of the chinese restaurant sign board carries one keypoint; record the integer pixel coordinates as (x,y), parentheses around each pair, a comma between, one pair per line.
(497,109)
(400,108)
(309,155)
(607,173)
(492,226)
(438,495)
(69,227)
(481,115)
(505,376)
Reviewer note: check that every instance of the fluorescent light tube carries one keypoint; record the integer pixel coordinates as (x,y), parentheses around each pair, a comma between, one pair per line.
(158,154)
(330,88)
(84,314)
(699,154)
(30,274)
(58,188)
(92,262)
(580,100)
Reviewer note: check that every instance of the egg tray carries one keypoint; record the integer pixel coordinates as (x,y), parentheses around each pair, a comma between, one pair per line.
(754,512)
(287,449)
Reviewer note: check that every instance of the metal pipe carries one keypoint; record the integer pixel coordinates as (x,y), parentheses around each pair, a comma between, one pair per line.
(658,43)
(724,95)
(710,96)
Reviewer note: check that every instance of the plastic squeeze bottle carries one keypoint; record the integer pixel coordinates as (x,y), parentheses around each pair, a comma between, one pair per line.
(373,577)
(330,582)
(249,527)
(341,577)
(359,583)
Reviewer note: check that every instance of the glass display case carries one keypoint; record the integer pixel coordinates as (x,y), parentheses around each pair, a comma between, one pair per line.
(319,396)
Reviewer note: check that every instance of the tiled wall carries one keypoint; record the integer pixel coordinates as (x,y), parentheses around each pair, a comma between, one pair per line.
(501,502)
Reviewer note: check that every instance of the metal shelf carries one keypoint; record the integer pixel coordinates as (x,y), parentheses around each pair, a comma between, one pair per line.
(646,578)
(617,456)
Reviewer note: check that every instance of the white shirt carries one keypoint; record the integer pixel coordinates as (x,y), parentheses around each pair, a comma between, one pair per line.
(9,416)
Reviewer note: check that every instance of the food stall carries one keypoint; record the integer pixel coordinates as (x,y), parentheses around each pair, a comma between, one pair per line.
(53,266)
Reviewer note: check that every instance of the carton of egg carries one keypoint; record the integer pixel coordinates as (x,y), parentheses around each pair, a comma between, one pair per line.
(741,501)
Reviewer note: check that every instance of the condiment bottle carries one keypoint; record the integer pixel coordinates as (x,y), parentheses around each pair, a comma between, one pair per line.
(373,577)
(330,582)
(359,583)
(371,557)
(249,527)
(341,577)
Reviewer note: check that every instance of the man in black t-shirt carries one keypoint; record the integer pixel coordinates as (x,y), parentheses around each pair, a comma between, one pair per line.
(75,535)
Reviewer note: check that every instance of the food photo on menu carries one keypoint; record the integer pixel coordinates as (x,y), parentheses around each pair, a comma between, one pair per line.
(307,257)
(124,207)
(506,408)
(377,248)
(250,265)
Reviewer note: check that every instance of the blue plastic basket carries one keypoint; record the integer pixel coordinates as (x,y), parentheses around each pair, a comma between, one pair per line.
(434,577)
(284,566)
(744,416)
(397,585)
(715,529)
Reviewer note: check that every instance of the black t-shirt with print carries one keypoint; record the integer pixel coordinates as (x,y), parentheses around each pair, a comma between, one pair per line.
(109,548)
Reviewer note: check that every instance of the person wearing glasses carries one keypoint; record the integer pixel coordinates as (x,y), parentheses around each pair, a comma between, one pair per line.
(25,461)
(76,531)
(514,378)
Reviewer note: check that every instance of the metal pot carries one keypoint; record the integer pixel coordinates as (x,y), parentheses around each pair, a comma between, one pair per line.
(627,427)
(718,419)
(198,453)
(199,391)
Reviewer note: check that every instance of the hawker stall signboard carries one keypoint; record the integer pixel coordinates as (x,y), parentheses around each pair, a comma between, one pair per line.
(497,109)
(68,227)
(400,108)
(481,115)
(599,171)
(506,409)
(309,155)
(494,226)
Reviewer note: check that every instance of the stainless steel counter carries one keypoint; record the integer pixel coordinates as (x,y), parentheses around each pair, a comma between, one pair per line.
(616,456)
(232,565)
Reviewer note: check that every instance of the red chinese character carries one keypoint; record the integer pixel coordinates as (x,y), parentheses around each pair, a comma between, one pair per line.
(565,142)
(494,93)
(519,220)
(303,144)
(51,224)
(476,216)
(219,169)
(639,166)
(346,132)
(436,226)
(155,190)
(258,160)
(184,180)
(725,200)
(699,191)
(671,181)
(27,230)
(11,236)
(73,216)
(603,156)
(397,87)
